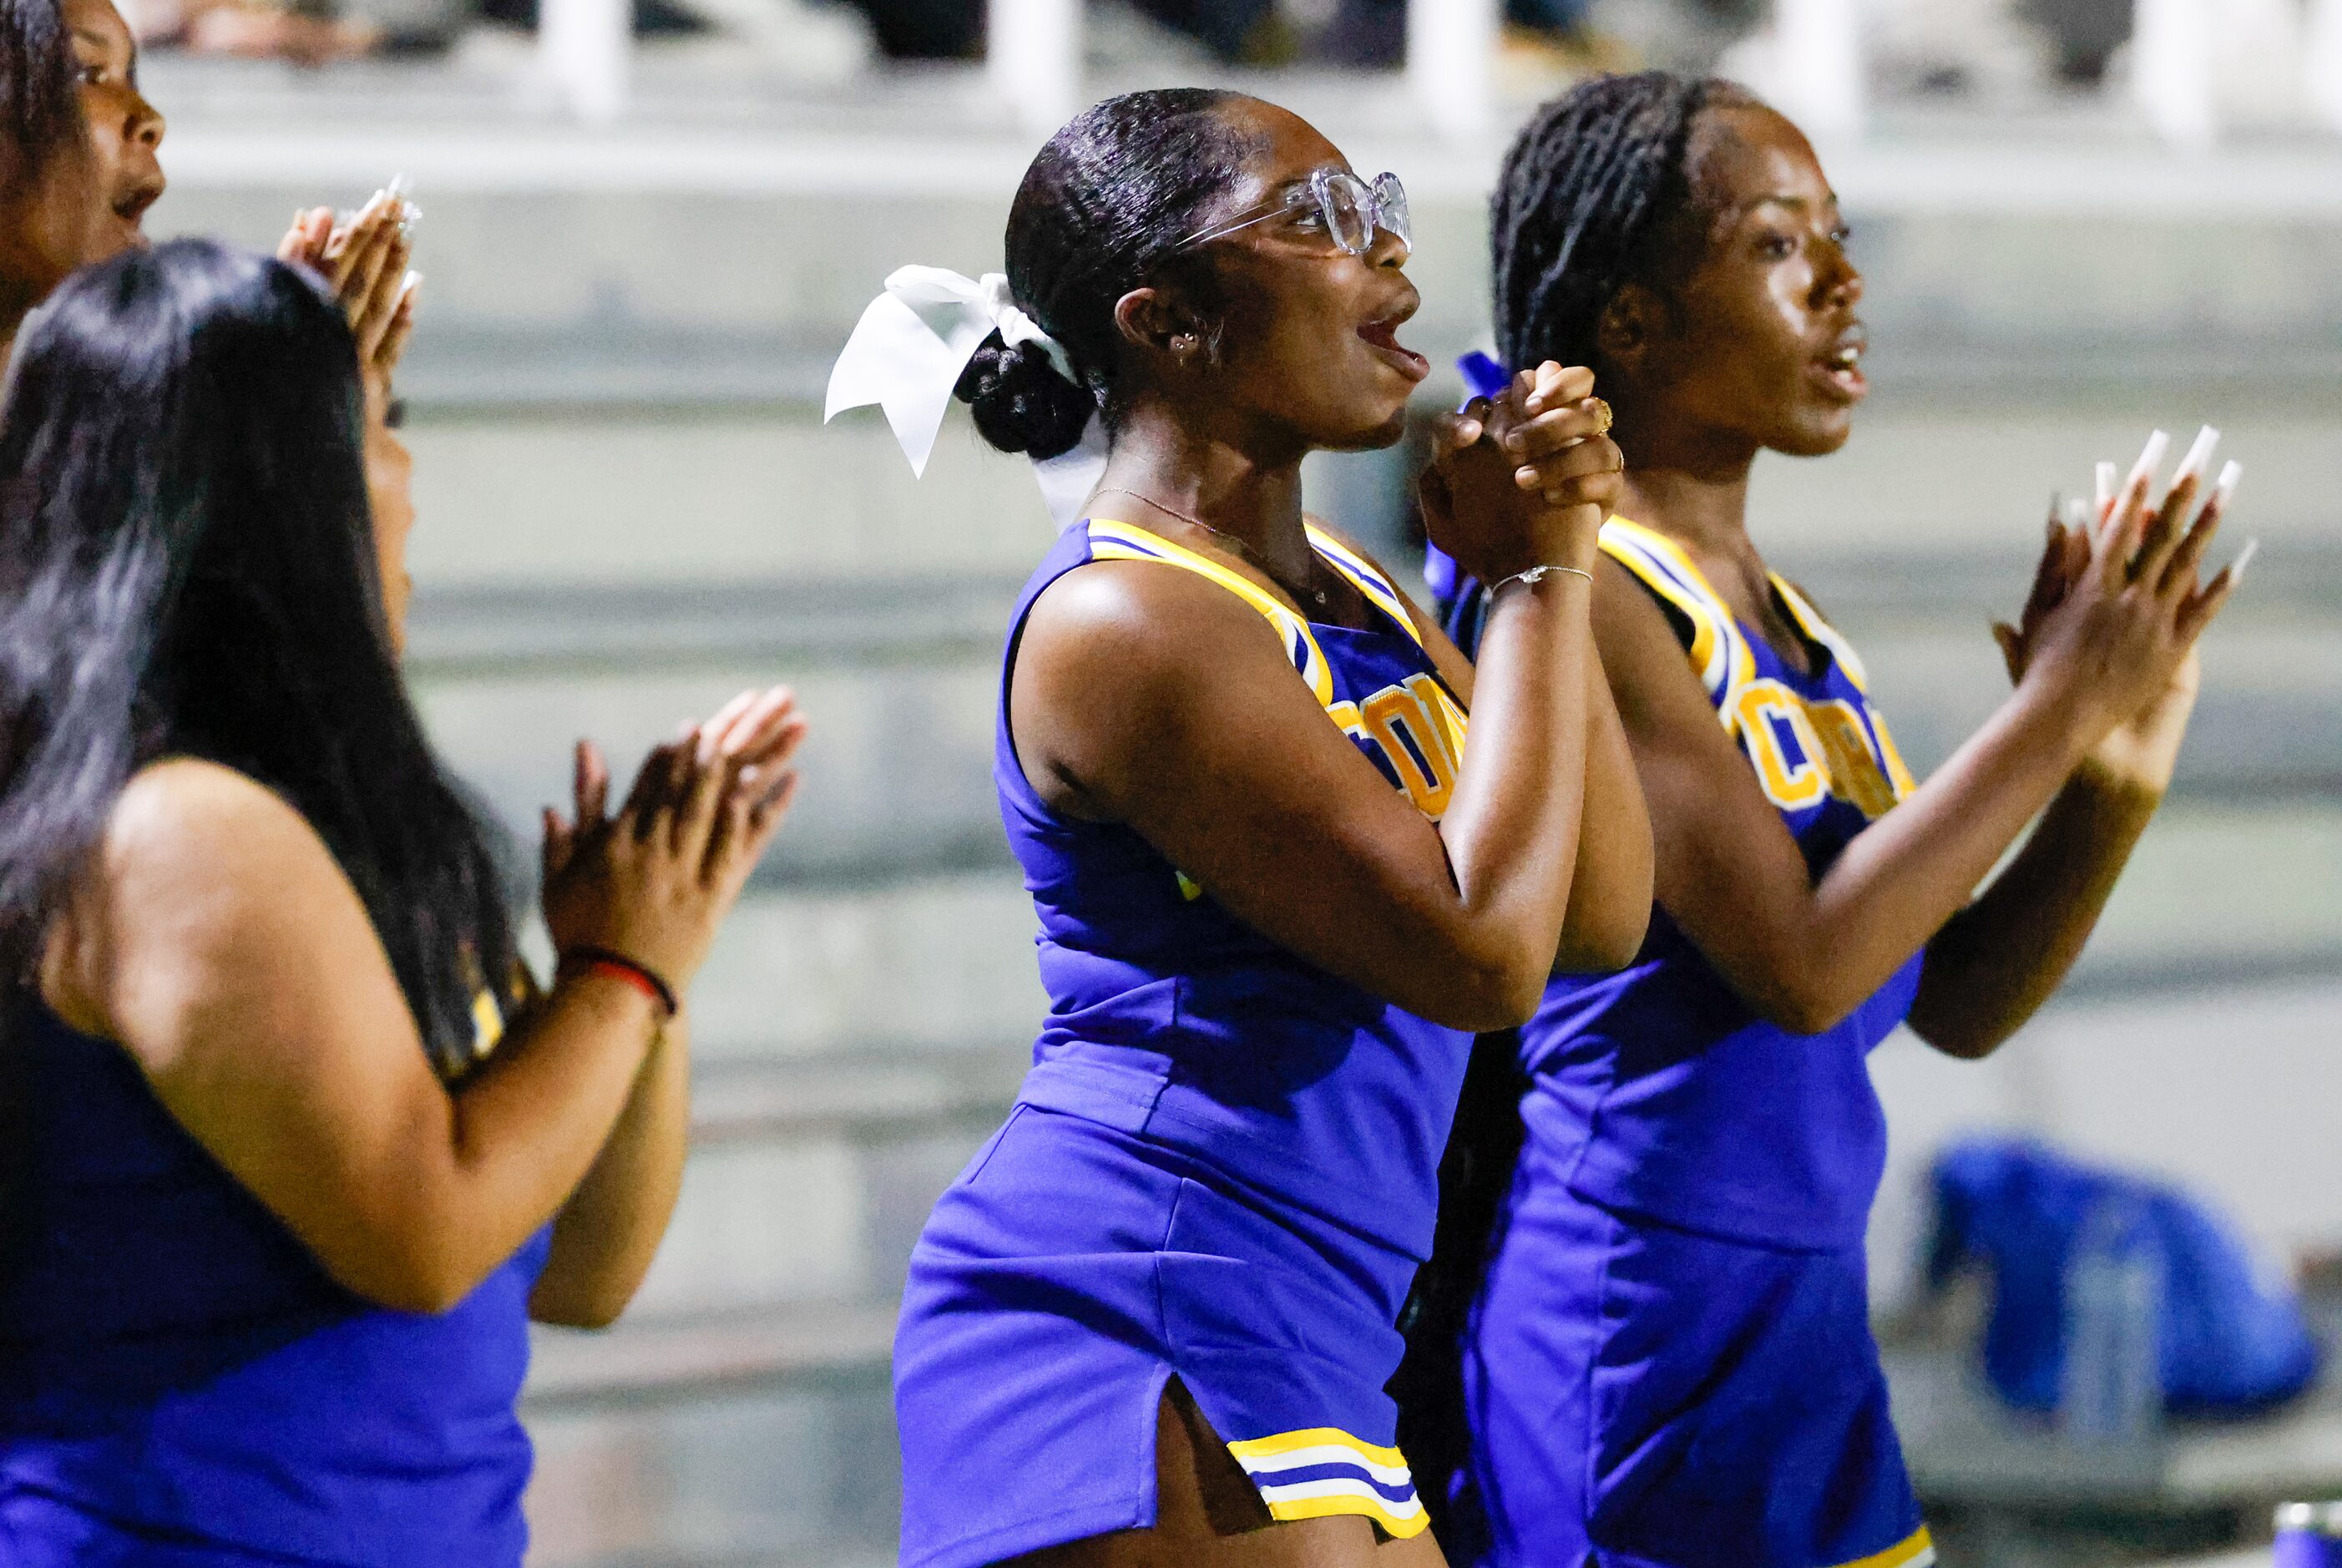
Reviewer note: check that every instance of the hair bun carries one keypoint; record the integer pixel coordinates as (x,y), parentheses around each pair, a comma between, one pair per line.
(1021,403)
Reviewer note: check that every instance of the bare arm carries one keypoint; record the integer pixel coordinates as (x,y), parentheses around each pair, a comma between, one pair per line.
(1151,697)
(1996,963)
(235,962)
(222,945)
(1610,886)
(1804,953)
(1610,900)
(609,1230)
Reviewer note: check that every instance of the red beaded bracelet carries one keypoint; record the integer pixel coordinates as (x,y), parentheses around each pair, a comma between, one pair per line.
(618,966)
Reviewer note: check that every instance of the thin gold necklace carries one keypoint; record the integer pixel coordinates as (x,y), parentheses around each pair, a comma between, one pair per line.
(1315,595)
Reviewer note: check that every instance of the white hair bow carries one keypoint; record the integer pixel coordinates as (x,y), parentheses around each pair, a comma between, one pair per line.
(914,342)
(911,345)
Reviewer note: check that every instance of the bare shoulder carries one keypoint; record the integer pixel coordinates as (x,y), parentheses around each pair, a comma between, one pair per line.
(1122,621)
(207,882)
(1628,621)
(1120,656)
(1651,680)
(185,826)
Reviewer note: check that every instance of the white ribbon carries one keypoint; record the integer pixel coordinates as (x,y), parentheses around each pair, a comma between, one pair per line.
(914,342)
(1067,479)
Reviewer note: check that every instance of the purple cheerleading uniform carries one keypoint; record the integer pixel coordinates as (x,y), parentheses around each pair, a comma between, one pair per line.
(181,1385)
(1671,1363)
(1223,1165)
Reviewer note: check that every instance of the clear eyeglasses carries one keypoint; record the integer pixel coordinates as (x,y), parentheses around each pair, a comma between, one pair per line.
(1351,209)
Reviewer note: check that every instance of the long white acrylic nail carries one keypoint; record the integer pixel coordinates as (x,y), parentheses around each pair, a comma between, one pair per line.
(2105,476)
(2244,559)
(2076,514)
(2225,485)
(397,187)
(2150,459)
(2199,456)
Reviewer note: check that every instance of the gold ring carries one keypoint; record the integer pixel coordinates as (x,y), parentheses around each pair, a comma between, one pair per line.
(1601,417)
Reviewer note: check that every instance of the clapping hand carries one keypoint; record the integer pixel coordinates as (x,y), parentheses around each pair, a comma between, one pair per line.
(2142,750)
(364,261)
(652,881)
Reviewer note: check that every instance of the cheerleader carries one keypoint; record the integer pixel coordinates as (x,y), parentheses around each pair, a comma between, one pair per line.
(1152,1320)
(293,1153)
(1650,1299)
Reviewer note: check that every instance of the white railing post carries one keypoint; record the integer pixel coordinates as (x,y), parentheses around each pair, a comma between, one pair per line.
(1451,58)
(585,49)
(2171,72)
(1817,67)
(1033,49)
(2321,62)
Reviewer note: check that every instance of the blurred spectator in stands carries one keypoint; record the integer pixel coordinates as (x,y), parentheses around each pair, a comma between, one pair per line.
(2085,32)
(1373,32)
(926,29)
(306,32)
(1234,32)
(319,31)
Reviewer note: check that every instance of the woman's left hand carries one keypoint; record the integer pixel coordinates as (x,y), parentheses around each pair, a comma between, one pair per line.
(2143,752)
(755,734)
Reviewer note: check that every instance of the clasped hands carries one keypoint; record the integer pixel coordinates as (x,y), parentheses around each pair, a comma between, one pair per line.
(1524,479)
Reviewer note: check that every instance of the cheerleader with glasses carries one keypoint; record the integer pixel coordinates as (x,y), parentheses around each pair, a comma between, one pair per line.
(1152,1322)
(1645,1340)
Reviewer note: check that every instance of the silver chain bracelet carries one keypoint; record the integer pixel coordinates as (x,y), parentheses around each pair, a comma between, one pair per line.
(1534,575)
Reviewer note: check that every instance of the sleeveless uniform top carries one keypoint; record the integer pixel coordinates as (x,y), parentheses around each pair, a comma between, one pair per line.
(175,1365)
(1678,1101)
(1172,1020)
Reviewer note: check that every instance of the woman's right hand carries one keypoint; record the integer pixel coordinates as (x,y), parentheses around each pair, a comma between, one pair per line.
(364,261)
(654,881)
(1524,480)
(2130,612)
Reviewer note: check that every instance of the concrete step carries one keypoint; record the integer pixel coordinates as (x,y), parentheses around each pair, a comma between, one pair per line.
(899,768)
(857,1048)
(687,498)
(795,1474)
(929,973)
(690,224)
(809,1183)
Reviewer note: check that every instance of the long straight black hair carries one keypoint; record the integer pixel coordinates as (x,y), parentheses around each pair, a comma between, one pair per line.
(187,568)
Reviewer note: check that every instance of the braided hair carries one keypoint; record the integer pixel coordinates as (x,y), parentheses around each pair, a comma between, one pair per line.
(1101,212)
(1596,193)
(1594,187)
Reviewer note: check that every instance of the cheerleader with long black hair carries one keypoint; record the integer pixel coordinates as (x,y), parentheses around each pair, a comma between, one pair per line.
(293,1150)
